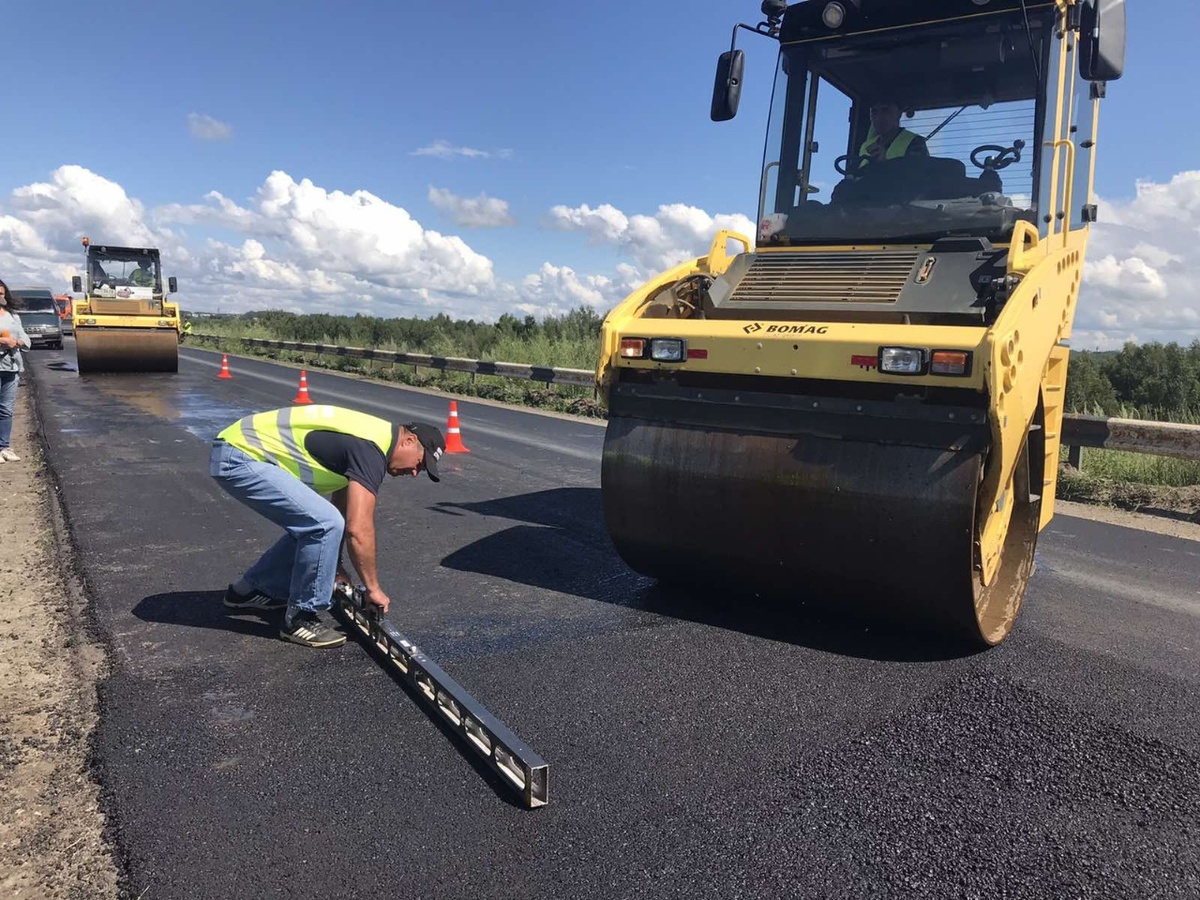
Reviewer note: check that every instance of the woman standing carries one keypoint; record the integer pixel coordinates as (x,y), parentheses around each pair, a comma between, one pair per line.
(12,341)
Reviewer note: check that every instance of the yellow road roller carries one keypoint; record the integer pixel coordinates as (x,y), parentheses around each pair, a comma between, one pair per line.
(124,322)
(864,402)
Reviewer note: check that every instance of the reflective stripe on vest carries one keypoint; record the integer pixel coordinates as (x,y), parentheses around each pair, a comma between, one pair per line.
(278,437)
(896,149)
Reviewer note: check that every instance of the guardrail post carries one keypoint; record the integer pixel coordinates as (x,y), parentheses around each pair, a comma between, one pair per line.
(1075,457)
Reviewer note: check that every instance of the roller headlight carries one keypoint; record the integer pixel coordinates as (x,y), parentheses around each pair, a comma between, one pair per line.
(901,361)
(668,350)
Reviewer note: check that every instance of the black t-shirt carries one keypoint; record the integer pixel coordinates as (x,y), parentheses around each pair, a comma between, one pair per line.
(356,458)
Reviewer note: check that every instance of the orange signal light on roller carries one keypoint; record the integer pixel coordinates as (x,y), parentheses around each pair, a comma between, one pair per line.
(633,348)
(950,362)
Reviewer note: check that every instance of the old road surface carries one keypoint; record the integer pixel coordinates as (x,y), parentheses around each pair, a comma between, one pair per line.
(699,747)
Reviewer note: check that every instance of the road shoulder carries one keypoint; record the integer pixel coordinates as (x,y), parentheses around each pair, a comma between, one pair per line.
(1158,524)
(51,824)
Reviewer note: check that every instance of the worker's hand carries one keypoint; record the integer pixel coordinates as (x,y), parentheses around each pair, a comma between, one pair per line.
(8,342)
(876,151)
(376,597)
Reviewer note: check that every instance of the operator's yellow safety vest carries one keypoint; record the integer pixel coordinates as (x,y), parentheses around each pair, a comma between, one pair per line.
(896,149)
(278,437)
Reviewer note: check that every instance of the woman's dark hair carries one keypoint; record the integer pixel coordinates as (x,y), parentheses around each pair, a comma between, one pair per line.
(7,294)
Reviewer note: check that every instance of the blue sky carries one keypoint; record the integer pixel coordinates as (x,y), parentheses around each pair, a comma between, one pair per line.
(130,115)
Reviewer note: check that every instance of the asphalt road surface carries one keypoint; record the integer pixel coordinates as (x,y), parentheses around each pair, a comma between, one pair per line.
(698,746)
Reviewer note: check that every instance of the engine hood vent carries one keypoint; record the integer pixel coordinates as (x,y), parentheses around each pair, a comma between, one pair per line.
(876,276)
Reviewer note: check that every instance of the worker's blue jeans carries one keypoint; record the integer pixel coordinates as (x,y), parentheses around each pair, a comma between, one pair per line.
(302,565)
(8,399)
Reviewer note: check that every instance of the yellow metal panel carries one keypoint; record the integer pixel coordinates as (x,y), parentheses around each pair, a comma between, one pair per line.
(805,349)
(1035,321)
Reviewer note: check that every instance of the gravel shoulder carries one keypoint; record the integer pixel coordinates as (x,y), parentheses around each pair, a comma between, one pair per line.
(52,844)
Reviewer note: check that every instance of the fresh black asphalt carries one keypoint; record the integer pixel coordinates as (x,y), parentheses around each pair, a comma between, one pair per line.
(700,747)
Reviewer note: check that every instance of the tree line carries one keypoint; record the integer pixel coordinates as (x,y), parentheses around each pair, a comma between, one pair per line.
(1150,381)
(471,339)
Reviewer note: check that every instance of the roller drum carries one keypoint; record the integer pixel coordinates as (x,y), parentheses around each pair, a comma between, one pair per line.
(126,349)
(835,509)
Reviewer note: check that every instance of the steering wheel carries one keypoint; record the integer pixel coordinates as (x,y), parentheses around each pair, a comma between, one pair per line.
(1005,157)
(842,163)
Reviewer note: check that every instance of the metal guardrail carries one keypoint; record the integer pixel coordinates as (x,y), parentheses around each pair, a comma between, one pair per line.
(1131,435)
(543,374)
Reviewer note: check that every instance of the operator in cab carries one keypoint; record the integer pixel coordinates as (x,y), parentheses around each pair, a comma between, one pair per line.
(143,275)
(886,139)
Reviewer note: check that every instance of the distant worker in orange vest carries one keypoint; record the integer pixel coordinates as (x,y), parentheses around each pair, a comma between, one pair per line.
(886,139)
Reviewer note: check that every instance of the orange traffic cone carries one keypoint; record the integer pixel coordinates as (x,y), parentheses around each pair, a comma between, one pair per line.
(224,373)
(302,394)
(454,442)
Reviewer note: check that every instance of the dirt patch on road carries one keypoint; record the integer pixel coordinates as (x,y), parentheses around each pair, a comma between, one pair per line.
(51,827)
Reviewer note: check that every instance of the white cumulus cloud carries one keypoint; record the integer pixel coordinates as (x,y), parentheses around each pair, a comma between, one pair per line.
(1142,272)
(471,212)
(293,245)
(41,225)
(357,235)
(555,290)
(676,232)
(206,128)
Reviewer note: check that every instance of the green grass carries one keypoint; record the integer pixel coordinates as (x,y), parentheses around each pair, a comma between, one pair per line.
(1140,468)
(537,351)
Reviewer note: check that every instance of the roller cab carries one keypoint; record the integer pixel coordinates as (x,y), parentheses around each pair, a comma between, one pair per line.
(862,403)
(125,323)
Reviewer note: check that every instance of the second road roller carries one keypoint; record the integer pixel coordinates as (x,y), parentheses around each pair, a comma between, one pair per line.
(124,322)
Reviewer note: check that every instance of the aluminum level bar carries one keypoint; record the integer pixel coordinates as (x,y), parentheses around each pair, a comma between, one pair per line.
(506,754)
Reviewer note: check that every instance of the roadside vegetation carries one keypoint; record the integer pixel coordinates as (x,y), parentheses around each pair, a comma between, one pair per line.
(1153,382)
(1159,382)
(571,341)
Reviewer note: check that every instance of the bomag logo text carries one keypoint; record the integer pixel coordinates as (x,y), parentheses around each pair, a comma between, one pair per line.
(785,329)
(797,329)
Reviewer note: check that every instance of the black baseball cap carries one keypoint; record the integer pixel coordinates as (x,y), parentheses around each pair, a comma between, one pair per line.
(435,445)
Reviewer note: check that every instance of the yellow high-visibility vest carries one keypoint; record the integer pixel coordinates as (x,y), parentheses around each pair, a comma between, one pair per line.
(895,150)
(278,437)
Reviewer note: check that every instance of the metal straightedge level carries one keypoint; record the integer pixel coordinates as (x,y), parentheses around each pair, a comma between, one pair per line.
(506,754)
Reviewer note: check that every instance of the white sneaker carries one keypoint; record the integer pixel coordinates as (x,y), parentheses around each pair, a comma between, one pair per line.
(7,454)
